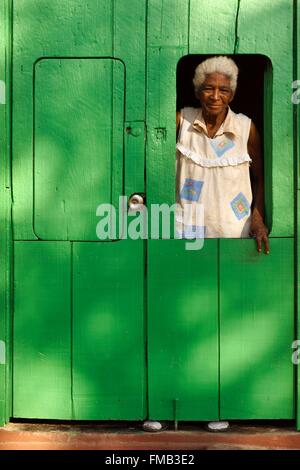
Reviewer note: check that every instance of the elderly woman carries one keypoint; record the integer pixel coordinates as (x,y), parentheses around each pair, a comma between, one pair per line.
(215,149)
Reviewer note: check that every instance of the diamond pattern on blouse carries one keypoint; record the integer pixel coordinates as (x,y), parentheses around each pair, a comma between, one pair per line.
(221,144)
(240,206)
(191,189)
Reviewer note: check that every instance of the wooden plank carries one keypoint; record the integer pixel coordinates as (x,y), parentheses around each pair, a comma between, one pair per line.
(161,131)
(167,42)
(130,23)
(297,154)
(167,23)
(109,375)
(5,211)
(297,77)
(297,329)
(78,144)
(256,330)
(42,335)
(134,157)
(183,331)
(3,151)
(73,29)
(272,36)
(212,27)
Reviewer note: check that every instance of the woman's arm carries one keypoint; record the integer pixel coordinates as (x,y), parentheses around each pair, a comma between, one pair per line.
(178,118)
(258,228)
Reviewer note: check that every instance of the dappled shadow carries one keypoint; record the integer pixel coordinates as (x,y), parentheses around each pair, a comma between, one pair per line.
(97,295)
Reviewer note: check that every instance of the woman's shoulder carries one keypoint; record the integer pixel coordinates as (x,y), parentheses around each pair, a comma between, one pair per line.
(241,116)
(242,123)
(189,113)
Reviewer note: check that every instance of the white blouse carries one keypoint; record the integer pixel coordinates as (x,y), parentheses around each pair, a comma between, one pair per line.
(213,173)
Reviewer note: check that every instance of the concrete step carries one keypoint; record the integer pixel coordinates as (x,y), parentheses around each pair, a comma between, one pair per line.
(130,436)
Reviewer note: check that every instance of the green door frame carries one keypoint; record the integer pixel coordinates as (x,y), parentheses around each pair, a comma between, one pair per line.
(296,111)
(5,212)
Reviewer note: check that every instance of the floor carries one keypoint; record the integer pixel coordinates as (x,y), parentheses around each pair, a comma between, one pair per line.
(130,436)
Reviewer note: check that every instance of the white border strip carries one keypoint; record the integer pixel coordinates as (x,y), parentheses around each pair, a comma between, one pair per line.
(2,92)
(2,352)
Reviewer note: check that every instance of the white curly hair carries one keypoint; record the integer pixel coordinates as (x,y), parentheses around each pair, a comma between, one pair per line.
(220,64)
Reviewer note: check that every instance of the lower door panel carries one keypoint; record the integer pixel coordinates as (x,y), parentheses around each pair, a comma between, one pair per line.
(256,330)
(182,331)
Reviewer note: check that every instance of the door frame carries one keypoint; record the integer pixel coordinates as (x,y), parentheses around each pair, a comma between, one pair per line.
(5,214)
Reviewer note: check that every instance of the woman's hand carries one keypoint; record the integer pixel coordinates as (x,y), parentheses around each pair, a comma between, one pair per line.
(257,228)
(259,231)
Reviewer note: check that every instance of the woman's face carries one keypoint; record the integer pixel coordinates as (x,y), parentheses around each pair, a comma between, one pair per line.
(215,93)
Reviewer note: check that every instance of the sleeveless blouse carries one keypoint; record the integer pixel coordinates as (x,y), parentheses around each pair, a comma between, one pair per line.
(213,173)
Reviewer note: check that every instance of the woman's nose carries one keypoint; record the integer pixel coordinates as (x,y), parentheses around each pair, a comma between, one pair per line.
(216,94)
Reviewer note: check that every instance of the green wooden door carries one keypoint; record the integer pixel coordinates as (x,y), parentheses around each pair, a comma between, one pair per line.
(221,320)
(99,326)
(78,142)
